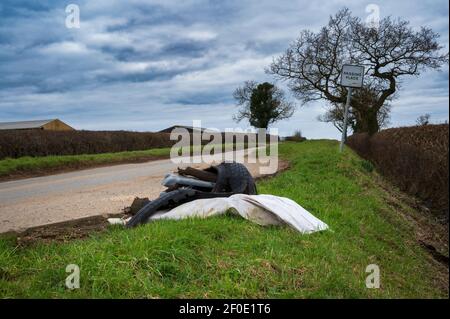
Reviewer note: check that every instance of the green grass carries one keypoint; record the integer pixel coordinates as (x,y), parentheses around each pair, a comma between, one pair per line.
(28,165)
(230,257)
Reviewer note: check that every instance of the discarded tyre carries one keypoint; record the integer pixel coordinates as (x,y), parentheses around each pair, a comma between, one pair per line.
(231,178)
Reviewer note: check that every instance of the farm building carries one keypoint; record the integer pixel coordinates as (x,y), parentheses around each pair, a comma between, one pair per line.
(189,128)
(48,125)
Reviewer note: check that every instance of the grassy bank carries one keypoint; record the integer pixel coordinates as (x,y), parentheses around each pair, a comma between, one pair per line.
(11,168)
(26,166)
(230,257)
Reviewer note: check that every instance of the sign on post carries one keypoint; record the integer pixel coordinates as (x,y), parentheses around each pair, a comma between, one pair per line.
(352,76)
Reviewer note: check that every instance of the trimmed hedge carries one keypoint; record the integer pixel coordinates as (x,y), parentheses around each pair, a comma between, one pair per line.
(20,143)
(414,158)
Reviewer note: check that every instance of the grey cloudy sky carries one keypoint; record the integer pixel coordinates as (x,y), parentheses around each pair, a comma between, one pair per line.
(145,65)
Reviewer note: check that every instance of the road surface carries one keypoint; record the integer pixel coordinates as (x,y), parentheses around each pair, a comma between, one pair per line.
(100,191)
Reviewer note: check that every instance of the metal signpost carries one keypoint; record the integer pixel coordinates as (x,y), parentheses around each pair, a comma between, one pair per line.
(352,76)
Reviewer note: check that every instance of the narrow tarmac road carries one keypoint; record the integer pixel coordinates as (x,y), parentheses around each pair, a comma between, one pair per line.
(107,190)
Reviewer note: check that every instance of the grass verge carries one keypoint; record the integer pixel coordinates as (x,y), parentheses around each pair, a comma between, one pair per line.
(34,166)
(230,257)
(27,166)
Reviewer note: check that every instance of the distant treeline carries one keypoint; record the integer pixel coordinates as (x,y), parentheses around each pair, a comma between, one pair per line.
(414,158)
(20,143)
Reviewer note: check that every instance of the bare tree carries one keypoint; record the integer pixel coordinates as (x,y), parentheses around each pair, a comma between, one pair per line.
(312,64)
(423,119)
(262,104)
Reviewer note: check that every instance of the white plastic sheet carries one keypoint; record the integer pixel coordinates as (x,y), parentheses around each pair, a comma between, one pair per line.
(261,209)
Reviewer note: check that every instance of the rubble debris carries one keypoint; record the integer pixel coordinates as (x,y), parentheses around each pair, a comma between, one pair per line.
(231,178)
(136,205)
(216,190)
(204,175)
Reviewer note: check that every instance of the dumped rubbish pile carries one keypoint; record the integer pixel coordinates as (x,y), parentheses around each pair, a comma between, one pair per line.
(227,187)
